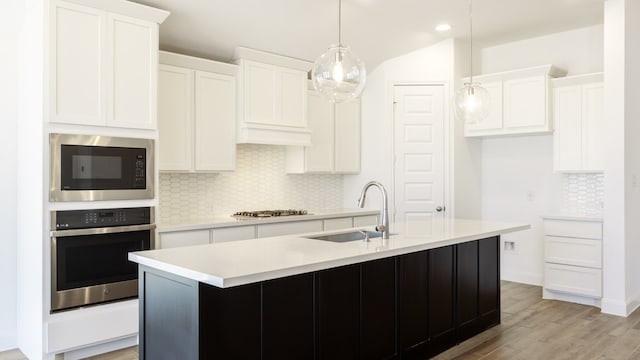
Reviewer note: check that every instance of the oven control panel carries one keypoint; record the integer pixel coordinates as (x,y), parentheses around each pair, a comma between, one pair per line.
(97,218)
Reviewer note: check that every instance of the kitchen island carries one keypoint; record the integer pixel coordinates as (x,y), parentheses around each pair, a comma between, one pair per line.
(428,287)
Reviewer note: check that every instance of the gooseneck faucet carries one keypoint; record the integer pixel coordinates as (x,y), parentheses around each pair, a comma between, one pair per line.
(384,214)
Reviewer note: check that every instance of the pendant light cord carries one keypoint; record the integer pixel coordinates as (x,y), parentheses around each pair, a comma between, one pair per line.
(470,42)
(339,23)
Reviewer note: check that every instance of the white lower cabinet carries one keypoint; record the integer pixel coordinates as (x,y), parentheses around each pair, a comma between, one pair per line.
(573,260)
(220,235)
(289,228)
(169,239)
(369,220)
(183,238)
(339,223)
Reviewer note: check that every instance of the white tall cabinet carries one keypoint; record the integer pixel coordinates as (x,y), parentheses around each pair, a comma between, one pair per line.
(196,114)
(578,113)
(87,66)
(335,138)
(103,67)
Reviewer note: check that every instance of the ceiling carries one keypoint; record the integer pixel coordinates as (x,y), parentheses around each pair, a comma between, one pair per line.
(376,30)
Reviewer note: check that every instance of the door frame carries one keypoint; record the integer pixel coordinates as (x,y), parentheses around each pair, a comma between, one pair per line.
(449,131)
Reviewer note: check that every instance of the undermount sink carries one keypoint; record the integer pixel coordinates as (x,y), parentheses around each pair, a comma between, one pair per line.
(349,236)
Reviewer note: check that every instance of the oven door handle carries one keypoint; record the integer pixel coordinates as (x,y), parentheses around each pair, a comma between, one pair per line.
(103,230)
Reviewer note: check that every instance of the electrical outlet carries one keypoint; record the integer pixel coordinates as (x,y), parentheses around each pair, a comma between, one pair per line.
(509,246)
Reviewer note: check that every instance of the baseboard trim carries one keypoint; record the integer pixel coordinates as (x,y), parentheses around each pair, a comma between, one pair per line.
(8,341)
(101,348)
(614,307)
(522,277)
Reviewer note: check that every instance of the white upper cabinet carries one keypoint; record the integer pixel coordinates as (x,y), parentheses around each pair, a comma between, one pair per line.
(578,112)
(196,114)
(103,65)
(335,138)
(272,101)
(519,100)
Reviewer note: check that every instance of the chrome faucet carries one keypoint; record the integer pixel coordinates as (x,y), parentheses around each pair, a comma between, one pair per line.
(384,214)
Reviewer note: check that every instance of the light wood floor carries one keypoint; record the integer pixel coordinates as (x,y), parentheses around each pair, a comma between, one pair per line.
(531,328)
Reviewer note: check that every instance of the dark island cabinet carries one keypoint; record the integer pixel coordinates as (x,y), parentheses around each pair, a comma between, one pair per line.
(478,286)
(410,306)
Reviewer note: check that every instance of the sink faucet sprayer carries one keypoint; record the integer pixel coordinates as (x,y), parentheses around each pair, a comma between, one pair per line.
(384,214)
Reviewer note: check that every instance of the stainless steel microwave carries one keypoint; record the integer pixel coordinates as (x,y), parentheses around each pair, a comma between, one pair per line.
(92,167)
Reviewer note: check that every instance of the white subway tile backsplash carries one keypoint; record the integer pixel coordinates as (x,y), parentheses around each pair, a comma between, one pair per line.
(583,193)
(259,182)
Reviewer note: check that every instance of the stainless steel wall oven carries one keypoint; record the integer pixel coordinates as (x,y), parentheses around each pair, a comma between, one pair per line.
(91,167)
(89,254)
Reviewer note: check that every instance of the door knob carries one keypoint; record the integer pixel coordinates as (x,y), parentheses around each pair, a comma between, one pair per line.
(439,208)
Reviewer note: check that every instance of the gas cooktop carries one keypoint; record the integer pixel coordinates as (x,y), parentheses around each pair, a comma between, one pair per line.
(268,213)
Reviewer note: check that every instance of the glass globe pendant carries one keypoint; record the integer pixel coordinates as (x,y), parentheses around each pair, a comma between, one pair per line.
(472,103)
(339,74)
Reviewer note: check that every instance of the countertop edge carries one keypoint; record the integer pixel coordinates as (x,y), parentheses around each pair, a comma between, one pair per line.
(315,266)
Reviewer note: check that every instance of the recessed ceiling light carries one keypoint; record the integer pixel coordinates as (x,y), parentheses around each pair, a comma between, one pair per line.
(443,27)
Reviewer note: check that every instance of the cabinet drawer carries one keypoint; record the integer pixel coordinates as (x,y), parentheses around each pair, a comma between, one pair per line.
(233,233)
(369,220)
(573,279)
(573,251)
(289,228)
(183,238)
(340,223)
(576,229)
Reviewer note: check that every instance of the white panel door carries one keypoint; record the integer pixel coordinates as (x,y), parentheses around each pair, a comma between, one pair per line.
(215,121)
(175,118)
(134,64)
(419,155)
(77,64)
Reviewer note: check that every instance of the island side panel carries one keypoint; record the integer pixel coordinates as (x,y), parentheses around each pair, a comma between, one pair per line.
(168,316)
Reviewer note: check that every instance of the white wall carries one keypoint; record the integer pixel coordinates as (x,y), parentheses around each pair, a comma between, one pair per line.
(518,182)
(578,51)
(10,14)
(432,64)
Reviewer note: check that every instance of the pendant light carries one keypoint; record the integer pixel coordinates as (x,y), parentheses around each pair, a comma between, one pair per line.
(339,74)
(472,101)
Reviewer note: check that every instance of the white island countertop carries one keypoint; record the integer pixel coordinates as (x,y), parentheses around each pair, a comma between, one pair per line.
(247,261)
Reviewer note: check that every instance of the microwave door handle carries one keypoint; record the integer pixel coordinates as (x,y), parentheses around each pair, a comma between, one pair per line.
(103,230)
